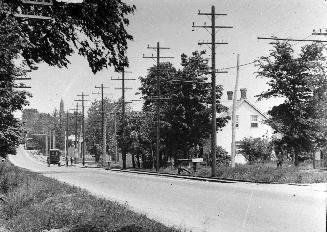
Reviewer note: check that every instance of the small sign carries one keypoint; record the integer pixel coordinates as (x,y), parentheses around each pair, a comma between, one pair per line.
(197,160)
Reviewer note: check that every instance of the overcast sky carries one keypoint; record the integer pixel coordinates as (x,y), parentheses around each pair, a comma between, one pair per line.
(170,23)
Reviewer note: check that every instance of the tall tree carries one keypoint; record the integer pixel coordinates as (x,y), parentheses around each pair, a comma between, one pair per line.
(94,28)
(186,118)
(93,132)
(11,99)
(301,81)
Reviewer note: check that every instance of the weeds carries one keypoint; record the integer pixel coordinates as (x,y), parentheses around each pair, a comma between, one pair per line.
(36,203)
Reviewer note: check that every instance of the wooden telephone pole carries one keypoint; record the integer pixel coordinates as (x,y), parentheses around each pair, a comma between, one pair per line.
(83,124)
(158,98)
(213,43)
(123,89)
(233,147)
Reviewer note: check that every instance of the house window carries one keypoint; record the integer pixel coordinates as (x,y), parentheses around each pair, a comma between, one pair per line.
(237,121)
(254,120)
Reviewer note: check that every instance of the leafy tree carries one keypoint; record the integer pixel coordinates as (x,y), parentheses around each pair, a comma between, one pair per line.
(11,99)
(185,117)
(256,149)
(93,131)
(142,138)
(301,82)
(96,28)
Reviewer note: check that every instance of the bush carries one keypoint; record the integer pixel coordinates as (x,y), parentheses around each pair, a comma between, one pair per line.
(222,157)
(256,149)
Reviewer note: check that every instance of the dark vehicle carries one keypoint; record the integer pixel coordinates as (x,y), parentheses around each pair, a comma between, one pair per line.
(30,144)
(54,157)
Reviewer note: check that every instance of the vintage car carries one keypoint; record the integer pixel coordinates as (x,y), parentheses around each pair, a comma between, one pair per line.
(54,157)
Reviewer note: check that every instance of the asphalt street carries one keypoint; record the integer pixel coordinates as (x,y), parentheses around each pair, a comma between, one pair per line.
(199,206)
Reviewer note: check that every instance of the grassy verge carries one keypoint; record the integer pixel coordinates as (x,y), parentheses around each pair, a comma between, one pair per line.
(262,173)
(267,173)
(31,202)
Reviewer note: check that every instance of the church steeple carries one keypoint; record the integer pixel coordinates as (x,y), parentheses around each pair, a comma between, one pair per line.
(62,108)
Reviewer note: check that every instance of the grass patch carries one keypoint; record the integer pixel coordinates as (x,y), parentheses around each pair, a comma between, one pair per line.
(266,172)
(32,202)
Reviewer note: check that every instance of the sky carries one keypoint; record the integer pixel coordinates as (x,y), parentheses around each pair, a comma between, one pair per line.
(170,23)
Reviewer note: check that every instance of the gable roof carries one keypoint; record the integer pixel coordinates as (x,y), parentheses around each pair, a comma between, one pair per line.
(238,104)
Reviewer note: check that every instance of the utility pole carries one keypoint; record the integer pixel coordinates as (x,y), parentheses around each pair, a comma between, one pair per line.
(213,43)
(115,132)
(157,57)
(123,88)
(233,148)
(46,143)
(66,137)
(76,128)
(103,125)
(83,124)
(54,139)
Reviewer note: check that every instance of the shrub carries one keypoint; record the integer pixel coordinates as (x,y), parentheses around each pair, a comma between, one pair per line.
(256,149)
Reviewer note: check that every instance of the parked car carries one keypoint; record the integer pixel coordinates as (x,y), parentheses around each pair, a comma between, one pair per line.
(54,157)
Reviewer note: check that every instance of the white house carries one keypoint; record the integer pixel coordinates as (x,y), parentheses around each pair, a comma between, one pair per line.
(249,123)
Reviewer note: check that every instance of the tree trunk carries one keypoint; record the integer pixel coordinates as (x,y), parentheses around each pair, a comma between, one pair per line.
(143,160)
(296,158)
(138,160)
(124,158)
(133,160)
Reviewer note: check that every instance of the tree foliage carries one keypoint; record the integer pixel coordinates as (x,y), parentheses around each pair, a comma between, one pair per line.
(96,28)
(301,81)
(93,131)
(256,149)
(186,115)
(11,99)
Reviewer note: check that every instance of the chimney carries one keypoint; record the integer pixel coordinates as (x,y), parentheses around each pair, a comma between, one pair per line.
(243,93)
(229,95)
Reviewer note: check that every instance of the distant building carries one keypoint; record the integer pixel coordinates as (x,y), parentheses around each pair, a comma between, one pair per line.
(249,123)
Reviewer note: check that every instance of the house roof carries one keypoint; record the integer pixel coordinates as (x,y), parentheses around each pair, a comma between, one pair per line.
(238,104)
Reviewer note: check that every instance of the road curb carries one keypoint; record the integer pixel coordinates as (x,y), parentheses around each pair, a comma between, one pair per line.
(205,179)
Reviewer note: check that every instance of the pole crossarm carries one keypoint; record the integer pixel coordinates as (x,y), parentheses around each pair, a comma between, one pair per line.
(155,48)
(33,16)
(202,43)
(186,81)
(319,33)
(99,87)
(38,2)
(296,40)
(23,79)
(157,98)
(126,88)
(210,14)
(205,26)
(161,57)
(120,79)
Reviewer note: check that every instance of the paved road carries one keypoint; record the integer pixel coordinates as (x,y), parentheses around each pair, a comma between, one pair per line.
(200,206)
